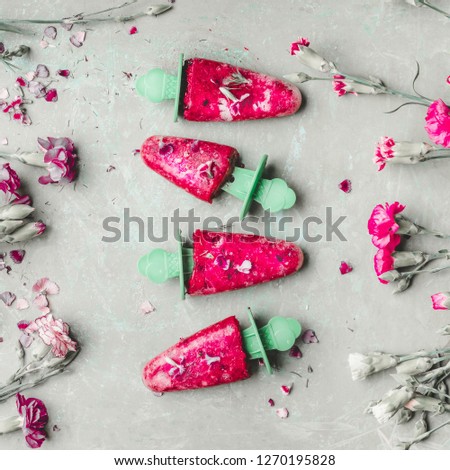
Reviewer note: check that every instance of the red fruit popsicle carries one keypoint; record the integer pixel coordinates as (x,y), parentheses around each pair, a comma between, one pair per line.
(203,168)
(222,261)
(218,354)
(206,90)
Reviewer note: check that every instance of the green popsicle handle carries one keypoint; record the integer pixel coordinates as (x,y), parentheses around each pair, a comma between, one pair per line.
(160,265)
(247,185)
(157,86)
(280,334)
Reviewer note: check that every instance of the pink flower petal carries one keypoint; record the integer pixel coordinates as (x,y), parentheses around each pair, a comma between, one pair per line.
(42,71)
(63,72)
(41,301)
(4,141)
(282,413)
(43,44)
(286,389)
(8,298)
(22,304)
(51,95)
(50,32)
(345,268)
(25,340)
(22,324)
(78,38)
(245,267)
(17,255)
(270,402)
(4,94)
(345,186)
(309,336)
(147,307)
(295,352)
(133,30)
(21,81)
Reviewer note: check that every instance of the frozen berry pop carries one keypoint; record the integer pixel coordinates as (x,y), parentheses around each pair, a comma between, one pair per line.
(222,261)
(218,354)
(204,168)
(206,90)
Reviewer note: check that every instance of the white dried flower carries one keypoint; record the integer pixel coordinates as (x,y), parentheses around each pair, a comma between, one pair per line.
(298,77)
(422,403)
(364,365)
(391,403)
(312,59)
(15,211)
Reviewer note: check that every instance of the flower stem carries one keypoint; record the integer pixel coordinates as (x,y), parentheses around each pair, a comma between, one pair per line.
(10,424)
(429,5)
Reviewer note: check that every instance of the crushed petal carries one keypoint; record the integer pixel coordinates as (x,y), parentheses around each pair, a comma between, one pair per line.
(17,255)
(8,298)
(286,389)
(282,413)
(50,32)
(345,186)
(345,268)
(51,95)
(309,336)
(133,30)
(147,307)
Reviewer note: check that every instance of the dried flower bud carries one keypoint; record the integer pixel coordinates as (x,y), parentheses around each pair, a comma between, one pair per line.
(298,77)
(422,403)
(24,233)
(310,58)
(404,259)
(15,211)
(390,276)
(364,365)
(415,366)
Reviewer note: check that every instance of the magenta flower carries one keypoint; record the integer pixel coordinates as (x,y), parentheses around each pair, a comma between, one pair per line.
(441,301)
(383,262)
(34,419)
(295,46)
(60,159)
(342,86)
(383,226)
(9,181)
(438,123)
(54,333)
(339,85)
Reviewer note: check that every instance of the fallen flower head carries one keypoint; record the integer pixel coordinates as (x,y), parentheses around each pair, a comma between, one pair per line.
(32,419)
(438,123)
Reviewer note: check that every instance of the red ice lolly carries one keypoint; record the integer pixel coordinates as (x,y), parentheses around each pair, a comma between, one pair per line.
(218,354)
(207,90)
(203,168)
(222,261)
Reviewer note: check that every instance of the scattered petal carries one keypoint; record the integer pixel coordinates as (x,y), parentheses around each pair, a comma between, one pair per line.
(30,76)
(309,336)
(271,402)
(22,304)
(78,38)
(222,262)
(25,340)
(23,324)
(42,71)
(66,24)
(295,352)
(51,95)
(43,44)
(2,48)
(282,413)
(147,307)
(345,268)
(21,81)
(245,267)
(4,94)
(345,186)
(4,141)
(8,298)
(50,32)
(133,30)
(63,72)
(17,255)
(286,389)
(41,301)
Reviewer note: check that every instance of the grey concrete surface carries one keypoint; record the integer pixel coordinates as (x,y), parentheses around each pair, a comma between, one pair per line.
(101,403)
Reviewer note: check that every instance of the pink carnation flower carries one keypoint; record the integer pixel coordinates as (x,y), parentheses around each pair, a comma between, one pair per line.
(295,46)
(384,151)
(34,418)
(9,181)
(383,226)
(60,159)
(339,86)
(54,333)
(438,123)
(441,301)
(383,262)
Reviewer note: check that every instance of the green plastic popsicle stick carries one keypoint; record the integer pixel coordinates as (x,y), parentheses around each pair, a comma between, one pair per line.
(157,86)
(160,265)
(247,185)
(280,334)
